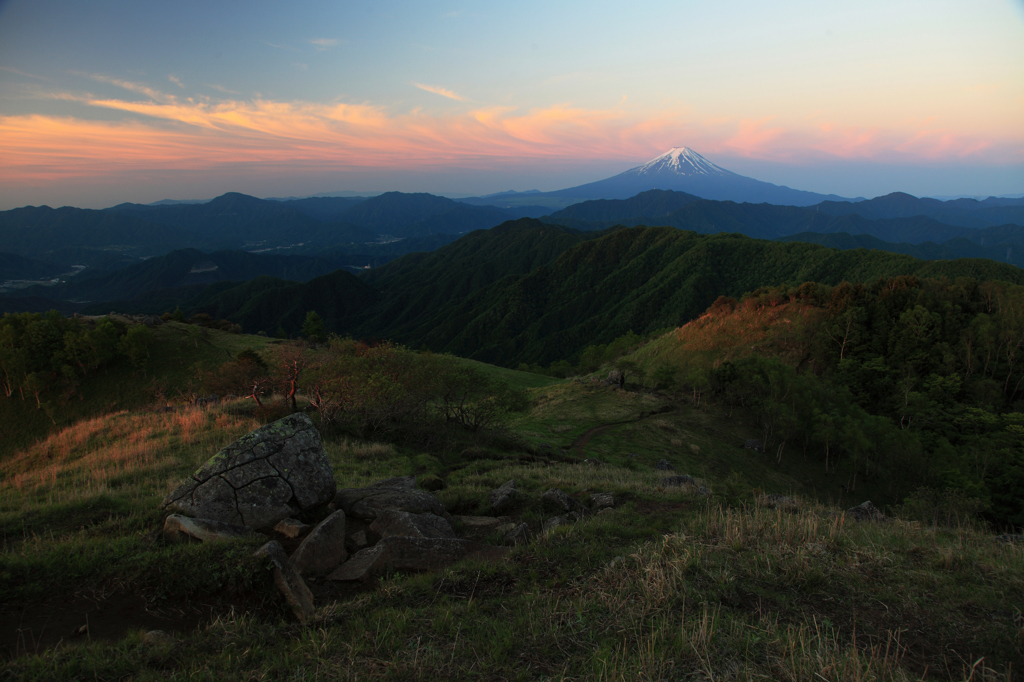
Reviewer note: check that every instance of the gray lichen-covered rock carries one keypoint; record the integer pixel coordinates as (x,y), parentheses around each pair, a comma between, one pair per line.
(263,477)
(288,581)
(558,500)
(323,550)
(504,498)
(601,501)
(177,527)
(392,522)
(368,503)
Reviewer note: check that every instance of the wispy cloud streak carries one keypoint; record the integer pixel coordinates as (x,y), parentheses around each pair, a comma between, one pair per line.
(444,92)
(263,136)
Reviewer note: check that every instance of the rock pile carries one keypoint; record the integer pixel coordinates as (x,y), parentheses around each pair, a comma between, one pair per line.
(257,485)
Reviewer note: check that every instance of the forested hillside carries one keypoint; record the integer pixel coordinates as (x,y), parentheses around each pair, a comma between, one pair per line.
(896,383)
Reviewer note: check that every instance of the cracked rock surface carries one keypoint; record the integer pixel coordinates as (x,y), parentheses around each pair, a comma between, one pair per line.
(270,474)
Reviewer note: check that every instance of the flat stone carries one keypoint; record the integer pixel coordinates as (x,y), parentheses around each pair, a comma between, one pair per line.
(268,475)
(323,550)
(292,528)
(392,522)
(361,565)
(408,553)
(288,581)
(367,503)
(178,528)
(478,521)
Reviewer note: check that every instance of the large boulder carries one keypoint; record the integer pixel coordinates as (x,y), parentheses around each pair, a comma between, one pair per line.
(270,474)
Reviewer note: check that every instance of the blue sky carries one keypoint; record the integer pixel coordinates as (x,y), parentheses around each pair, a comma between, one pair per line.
(102,102)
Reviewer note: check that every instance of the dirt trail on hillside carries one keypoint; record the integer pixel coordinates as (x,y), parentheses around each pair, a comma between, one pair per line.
(582,441)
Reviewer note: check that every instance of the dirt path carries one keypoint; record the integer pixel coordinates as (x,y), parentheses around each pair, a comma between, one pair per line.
(582,441)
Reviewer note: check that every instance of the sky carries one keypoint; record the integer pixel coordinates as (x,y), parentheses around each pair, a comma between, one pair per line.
(105,101)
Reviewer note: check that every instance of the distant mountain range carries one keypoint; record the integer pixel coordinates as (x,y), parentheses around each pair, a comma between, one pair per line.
(168,244)
(680,169)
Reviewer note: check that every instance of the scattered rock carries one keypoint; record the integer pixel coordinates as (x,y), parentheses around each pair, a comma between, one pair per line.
(865,511)
(288,581)
(600,501)
(158,638)
(323,550)
(556,521)
(391,522)
(417,554)
(504,498)
(367,503)
(292,528)
(680,480)
(775,501)
(556,499)
(753,444)
(179,528)
(517,535)
(663,465)
(268,475)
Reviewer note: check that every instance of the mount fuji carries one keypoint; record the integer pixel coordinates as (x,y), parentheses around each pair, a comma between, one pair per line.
(683,170)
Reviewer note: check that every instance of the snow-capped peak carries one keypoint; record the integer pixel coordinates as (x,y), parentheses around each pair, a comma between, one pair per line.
(681,161)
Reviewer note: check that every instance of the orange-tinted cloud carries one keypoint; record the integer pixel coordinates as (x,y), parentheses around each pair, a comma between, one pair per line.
(167,132)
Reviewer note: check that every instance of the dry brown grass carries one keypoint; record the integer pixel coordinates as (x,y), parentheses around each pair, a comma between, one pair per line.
(140,448)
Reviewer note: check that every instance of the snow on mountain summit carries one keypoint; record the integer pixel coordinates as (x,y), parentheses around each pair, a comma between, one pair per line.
(679,161)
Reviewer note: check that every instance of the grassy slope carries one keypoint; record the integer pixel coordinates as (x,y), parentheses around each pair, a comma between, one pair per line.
(669,585)
(176,350)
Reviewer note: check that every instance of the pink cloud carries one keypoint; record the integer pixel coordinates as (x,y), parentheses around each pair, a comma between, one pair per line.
(259,136)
